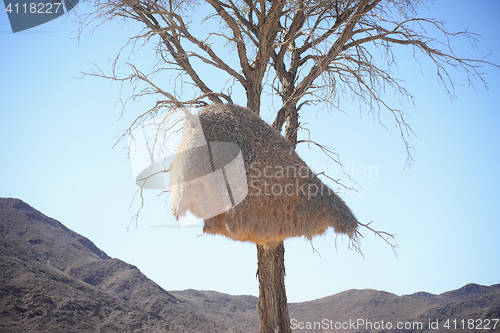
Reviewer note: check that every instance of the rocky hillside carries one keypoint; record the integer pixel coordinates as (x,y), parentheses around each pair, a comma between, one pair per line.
(378,311)
(55,280)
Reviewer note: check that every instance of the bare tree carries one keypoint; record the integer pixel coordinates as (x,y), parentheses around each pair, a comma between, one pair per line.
(304,51)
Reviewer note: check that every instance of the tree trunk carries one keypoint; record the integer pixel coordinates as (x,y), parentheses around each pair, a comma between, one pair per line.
(253,99)
(291,127)
(272,304)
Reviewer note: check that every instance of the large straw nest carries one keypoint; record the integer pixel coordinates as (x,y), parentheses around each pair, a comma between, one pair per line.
(285,198)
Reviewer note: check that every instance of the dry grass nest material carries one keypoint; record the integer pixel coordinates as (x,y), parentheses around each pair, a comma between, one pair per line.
(285,198)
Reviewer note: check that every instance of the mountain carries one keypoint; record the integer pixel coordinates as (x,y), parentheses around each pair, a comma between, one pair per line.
(55,280)
(417,311)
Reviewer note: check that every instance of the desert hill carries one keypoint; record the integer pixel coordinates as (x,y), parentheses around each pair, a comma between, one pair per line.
(55,280)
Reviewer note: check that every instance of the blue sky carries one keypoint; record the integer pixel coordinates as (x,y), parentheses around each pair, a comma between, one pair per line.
(58,130)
